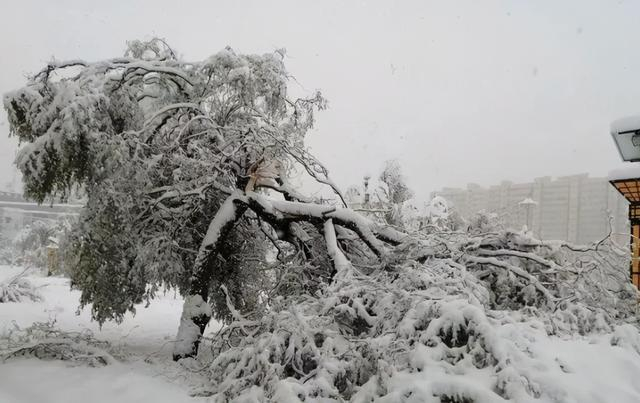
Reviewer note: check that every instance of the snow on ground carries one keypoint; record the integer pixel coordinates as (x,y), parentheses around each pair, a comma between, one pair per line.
(583,369)
(591,370)
(147,374)
(33,381)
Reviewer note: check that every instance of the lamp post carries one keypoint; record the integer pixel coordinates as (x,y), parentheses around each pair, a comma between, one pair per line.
(366,190)
(626,136)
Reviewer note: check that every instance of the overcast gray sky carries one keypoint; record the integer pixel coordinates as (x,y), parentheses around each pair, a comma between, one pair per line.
(458,91)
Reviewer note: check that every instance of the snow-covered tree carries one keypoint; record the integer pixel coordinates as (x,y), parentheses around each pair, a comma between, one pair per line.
(393,191)
(176,159)
(186,169)
(393,185)
(387,199)
(29,246)
(439,216)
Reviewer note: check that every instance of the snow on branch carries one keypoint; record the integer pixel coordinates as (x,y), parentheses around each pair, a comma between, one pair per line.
(225,218)
(447,301)
(165,109)
(42,340)
(340,262)
(17,289)
(513,269)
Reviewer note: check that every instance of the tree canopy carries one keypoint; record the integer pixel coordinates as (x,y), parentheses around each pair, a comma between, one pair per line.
(170,155)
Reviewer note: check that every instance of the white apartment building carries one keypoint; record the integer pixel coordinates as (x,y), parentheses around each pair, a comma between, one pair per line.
(573,208)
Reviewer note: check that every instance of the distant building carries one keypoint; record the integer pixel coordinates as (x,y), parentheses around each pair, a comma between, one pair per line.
(573,208)
(16,212)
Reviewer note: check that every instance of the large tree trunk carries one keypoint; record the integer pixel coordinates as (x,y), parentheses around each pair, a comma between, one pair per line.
(196,314)
(196,311)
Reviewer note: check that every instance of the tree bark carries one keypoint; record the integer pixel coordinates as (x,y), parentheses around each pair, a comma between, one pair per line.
(196,311)
(196,314)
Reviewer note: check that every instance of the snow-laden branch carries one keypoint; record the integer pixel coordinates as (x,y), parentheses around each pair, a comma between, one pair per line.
(281,213)
(225,218)
(525,255)
(298,211)
(556,244)
(285,189)
(340,262)
(162,111)
(169,192)
(128,64)
(157,68)
(513,269)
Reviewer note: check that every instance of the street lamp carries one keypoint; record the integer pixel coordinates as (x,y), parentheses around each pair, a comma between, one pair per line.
(366,190)
(626,136)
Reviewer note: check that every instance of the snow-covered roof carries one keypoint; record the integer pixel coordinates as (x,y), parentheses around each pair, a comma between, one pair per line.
(528,200)
(629,123)
(631,171)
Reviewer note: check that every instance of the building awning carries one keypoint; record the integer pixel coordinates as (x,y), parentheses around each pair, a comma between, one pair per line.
(629,188)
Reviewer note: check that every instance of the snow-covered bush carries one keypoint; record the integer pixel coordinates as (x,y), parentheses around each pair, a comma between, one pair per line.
(44,341)
(18,289)
(439,216)
(29,247)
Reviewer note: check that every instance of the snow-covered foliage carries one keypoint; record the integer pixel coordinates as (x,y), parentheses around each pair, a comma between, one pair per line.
(437,209)
(439,216)
(44,341)
(29,247)
(393,188)
(451,317)
(186,167)
(17,289)
(392,193)
(386,200)
(157,144)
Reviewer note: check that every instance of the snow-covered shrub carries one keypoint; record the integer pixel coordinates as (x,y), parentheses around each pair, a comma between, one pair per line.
(18,289)
(439,216)
(44,341)
(30,244)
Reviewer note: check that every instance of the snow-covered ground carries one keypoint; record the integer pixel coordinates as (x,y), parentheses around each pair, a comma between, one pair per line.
(147,373)
(583,370)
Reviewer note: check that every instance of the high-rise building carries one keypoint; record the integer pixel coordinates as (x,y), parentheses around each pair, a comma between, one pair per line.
(575,208)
